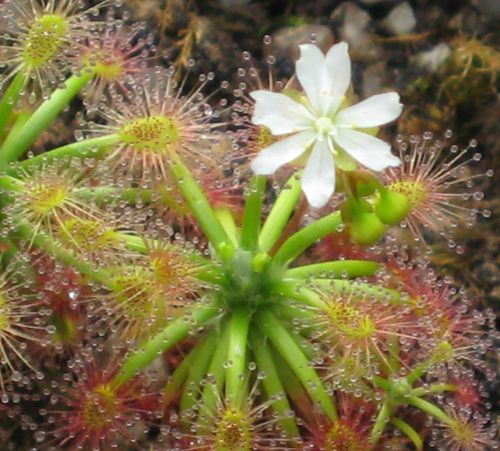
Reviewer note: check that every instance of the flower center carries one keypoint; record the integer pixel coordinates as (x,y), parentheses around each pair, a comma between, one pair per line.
(340,437)
(414,191)
(99,407)
(234,431)
(45,197)
(325,126)
(86,233)
(151,134)
(265,138)
(108,67)
(443,352)
(464,434)
(45,38)
(4,313)
(350,320)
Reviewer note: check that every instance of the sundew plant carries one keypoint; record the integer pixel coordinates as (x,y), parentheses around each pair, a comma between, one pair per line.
(208,267)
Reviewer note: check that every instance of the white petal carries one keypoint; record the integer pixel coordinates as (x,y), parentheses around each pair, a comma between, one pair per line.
(318,179)
(372,152)
(276,155)
(376,110)
(338,66)
(280,113)
(324,79)
(310,68)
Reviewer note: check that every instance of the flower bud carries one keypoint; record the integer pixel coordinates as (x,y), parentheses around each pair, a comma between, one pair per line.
(392,207)
(366,229)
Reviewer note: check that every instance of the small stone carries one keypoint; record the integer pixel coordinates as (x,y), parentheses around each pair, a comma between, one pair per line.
(373,79)
(401,20)
(285,41)
(354,27)
(432,59)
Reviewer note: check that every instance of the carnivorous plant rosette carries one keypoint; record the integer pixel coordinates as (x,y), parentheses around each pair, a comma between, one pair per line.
(227,334)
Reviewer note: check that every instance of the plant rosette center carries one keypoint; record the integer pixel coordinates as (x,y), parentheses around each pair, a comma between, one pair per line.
(44,40)
(250,279)
(156,134)
(99,407)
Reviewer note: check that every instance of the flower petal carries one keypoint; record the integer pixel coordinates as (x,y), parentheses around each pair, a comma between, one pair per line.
(280,113)
(324,79)
(338,66)
(371,152)
(276,155)
(376,110)
(318,179)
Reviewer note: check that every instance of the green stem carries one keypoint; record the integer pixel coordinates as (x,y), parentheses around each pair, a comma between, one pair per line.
(198,203)
(215,375)
(304,345)
(251,215)
(293,313)
(10,183)
(279,214)
(227,221)
(297,291)
(40,120)
(294,389)
(411,433)
(418,372)
(429,408)
(296,360)
(236,355)
(381,421)
(272,384)
(309,235)
(383,384)
(394,360)
(171,335)
(341,268)
(435,388)
(20,119)
(93,148)
(192,387)
(10,99)
(373,290)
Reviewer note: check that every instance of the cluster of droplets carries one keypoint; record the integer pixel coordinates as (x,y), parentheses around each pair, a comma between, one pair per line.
(440,184)
(42,40)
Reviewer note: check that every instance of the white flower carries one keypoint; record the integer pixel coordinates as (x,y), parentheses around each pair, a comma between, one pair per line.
(319,124)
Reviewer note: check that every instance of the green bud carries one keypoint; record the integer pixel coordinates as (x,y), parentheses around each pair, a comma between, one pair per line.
(260,261)
(366,228)
(392,207)
(225,251)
